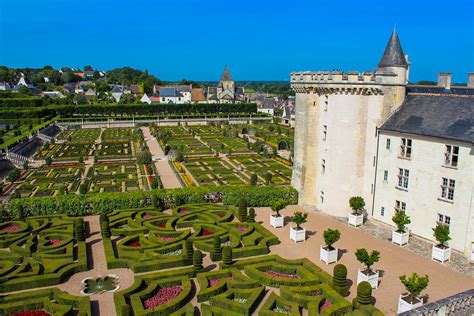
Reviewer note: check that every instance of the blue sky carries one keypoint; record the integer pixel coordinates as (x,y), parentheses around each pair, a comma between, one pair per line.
(258,40)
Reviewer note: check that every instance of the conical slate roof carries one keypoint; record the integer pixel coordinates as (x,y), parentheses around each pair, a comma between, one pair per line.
(226,75)
(393,54)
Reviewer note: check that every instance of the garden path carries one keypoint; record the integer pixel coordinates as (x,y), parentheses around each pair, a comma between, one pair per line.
(394,260)
(102,304)
(167,176)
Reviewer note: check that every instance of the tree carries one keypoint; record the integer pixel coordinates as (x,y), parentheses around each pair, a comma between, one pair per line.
(268,178)
(299,218)
(25,165)
(105,229)
(357,204)
(331,236)
(154,183)
(81,159)
(24,90)
(367,259)
(243,210)
(144,157)
(415,284)
(13,175)
(227,256)
(48,160)
(251,215)
(441,233)
(339,280)
(216,253)
(197,261)
(253,179)
(80,99)
(189,250)
(277,206)
(82,189)
(364,293)
(88,68)
(401,219)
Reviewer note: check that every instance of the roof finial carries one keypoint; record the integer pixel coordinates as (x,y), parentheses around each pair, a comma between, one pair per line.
(395,27)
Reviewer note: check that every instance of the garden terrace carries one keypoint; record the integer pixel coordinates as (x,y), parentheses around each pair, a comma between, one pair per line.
(114,177)
(50,301)
(115,150)
(155,240)
(117,133)
(39,251)
(72,151)
(85,135)
(226,144)
(52,180)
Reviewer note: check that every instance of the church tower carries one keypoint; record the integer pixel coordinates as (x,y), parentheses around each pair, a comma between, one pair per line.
(337,115)
(226,81)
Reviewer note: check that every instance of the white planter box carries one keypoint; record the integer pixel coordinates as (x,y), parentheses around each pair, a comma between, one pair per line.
(404,306)
(373,279)
(276,221)
(356,220)
(297,235)
(400,238)
(328,256)
(440,254)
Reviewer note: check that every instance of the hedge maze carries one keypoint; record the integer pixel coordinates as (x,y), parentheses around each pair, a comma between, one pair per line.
(154,240)
(40,251)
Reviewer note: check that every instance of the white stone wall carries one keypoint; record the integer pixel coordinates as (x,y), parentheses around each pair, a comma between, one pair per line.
(422,197)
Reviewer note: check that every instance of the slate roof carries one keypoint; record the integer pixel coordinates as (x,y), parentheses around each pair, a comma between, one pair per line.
(226,75)
(168,92)
(440,90)
(450,117)
(198,95)
(393,54)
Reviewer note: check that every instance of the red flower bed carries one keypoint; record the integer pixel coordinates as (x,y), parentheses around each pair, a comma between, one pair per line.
(213,282)
(206,232)
(38,312)
(162,296)
(8,188)
(282,275)
(161,225)
(113,163)
(53,242)
(183,212)
(10,229)
(241,228)
(64,165)
(325,305)
(135,244)
(167,238)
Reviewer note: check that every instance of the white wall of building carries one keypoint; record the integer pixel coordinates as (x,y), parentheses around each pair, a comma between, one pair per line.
(423,196)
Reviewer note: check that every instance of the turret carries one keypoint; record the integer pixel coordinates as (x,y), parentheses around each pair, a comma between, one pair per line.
(394,62)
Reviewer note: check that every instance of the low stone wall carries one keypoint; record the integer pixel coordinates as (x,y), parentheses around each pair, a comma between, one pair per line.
(461,304)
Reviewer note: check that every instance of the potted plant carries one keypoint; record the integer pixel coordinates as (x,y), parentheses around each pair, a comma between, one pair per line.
(357,204)
(401,235)
(276,220)
(414,285)
(368,274)
(328,253)
(441,252)
(298,233)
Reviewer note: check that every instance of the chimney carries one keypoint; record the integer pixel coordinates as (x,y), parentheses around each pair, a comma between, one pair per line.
(444,80)
(470,79)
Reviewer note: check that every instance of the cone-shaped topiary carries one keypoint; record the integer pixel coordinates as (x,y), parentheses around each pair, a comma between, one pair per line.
(197,261)
(216,254)
(339,280)
(103,218)
(125,310)
(251,218)
(243,210)
(79,230)
(364,293)
(227,256)
(188,245)
(154,200)
(105,230)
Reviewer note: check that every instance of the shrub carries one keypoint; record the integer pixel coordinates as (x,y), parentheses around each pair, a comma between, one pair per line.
(339,280)
(363,257)
(216,254)
(441,233)
(79,230)
(227,256)
(278,205)
(331,236)
(268,178)
(81,159)
(401,219)
(13,175)
(25,165)
(125,310)
(253,179)
(48,160)
(364,293)
(357,204)
(243,210)
(103,218)
(154,200)
(82,189)
(105,230)
(251,215)
(197,261)
(188,245)
(299,218)
(415,284)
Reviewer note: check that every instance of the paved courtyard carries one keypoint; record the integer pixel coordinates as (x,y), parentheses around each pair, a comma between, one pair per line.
(394,260)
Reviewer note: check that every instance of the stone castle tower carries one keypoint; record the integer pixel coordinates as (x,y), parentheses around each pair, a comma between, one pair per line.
(337,115)
(226,81)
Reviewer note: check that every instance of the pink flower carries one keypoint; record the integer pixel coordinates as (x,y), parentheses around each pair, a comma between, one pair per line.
(147,216)
(167,238)
(282,275)
(38,312)
(241,228)
(183,212)
(325,305)
(213,282)
(162,296)
(53,242)
(10,229)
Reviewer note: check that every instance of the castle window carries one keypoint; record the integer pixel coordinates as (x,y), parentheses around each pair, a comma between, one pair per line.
(403,175)
(443,219)
(382,211)
(387,145)
(447,189)
(322,197)
(405,148)
(400,206)
(323,166)
(325,132)
(385,175)
(451,156)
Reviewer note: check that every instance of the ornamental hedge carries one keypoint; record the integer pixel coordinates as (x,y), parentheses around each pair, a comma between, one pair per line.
(52,300)
(74,205)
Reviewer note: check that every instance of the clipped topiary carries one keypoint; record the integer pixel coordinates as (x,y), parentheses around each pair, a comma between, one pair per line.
(105,230)
(339,280)
(79,230)
(103,217)
(125,310)
(154,200)
(227,256)
(251,218)
(243,210)
(216,254)
(364,293)
(197,261)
